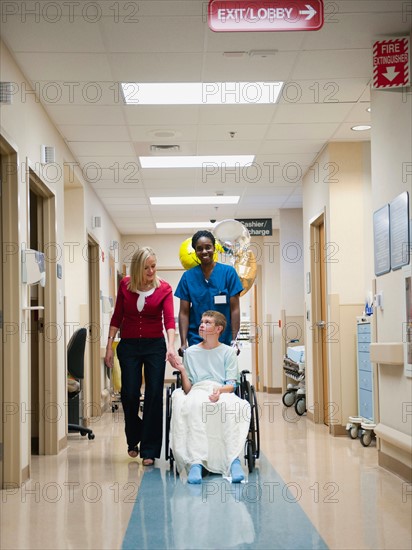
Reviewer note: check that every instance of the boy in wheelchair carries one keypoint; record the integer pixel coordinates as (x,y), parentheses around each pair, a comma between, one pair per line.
(209,423)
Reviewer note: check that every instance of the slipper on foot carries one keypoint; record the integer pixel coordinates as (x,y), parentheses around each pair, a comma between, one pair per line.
(236,471)
(133,452)
(148,461)
(195,474)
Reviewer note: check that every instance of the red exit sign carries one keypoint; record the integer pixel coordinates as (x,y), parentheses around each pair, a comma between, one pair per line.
(264,16)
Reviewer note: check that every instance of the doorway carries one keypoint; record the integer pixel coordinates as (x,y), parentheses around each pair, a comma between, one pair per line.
(43,331)
(10,392)
(319,321)
(1,326)
(93,376)
(36,324)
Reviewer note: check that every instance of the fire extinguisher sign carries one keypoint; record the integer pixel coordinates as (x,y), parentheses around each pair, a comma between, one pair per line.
(391,63)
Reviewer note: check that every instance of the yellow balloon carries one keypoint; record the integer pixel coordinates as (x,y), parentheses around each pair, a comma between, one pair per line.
(187,254)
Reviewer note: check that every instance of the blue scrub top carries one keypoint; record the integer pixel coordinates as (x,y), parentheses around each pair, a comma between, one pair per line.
(192,287)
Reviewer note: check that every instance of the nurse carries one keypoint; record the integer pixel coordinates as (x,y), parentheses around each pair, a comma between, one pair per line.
(208,286)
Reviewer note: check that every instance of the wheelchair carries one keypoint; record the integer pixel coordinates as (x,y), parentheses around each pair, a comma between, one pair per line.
(244,390)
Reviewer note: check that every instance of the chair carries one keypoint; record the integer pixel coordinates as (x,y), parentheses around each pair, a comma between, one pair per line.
(75,368)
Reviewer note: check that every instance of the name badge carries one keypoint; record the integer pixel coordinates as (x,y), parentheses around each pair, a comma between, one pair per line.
(221,299)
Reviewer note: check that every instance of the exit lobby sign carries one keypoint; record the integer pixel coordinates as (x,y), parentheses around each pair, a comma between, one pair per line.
(265,15)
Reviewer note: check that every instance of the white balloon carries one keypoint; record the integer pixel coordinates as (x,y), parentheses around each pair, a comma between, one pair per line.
(232,235)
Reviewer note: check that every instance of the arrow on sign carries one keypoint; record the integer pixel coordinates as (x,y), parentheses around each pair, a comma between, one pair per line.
(310,12)
(390,74)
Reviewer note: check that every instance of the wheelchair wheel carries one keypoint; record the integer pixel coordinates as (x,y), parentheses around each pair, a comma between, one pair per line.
(168,453)
(255,416)
(250,455)
(252,445)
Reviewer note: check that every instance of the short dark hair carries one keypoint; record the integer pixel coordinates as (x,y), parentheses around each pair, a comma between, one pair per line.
(202,233)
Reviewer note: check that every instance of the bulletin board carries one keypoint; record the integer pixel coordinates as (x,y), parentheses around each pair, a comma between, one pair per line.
(399,231)
(381,241)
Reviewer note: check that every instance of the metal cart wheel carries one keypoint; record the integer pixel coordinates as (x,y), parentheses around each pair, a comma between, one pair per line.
(91,436)
(289,397)
(300,406)
(353,432)
(366,438)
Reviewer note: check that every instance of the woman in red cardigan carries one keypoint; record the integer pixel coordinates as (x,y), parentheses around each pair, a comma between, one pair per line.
(144,305)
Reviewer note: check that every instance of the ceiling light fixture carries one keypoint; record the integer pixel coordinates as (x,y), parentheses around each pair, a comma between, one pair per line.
(184,225)
(165,148)
(239,53)
(200,93)
(262,53)
(205,161)
(195,200)
(361,128)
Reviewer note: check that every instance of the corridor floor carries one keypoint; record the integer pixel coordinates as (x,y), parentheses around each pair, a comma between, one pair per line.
(308,490)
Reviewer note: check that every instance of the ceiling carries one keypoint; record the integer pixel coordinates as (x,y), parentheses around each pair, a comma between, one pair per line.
(75,55)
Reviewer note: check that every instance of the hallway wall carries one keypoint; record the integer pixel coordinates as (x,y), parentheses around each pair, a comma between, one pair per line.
(25,126)
(338,186)
(391,175)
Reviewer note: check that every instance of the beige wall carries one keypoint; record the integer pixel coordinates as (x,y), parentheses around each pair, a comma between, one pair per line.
(391,175)
(349,191)
(339,187)
(365,181)
(292,282)
(26,126)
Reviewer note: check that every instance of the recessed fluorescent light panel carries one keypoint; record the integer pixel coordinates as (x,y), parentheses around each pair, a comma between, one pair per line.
(215,161)
(200,93)
(184,225)
(215,199)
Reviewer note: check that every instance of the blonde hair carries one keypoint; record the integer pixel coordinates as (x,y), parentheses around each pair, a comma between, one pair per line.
(137,269)
(219,318)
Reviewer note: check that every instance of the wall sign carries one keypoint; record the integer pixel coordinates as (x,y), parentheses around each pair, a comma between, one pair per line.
(262,226)
(265,15)
(391,63)
(399,230)
(381,240)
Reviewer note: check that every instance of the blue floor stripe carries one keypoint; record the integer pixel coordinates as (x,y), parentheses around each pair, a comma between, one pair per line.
(262,513)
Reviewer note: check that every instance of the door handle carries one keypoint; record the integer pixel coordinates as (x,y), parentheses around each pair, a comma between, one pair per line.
(320,324)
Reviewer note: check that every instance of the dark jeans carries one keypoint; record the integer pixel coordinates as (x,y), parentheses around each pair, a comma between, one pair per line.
(133,353)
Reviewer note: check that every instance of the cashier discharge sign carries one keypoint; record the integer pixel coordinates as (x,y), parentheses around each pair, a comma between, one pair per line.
(265,15)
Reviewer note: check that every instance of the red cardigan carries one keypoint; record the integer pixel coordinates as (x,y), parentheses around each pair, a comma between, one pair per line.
(148,323)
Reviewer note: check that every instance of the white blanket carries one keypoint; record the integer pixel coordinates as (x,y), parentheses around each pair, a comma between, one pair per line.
(202,432)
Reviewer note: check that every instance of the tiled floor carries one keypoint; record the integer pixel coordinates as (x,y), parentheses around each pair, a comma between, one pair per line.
(309,490)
